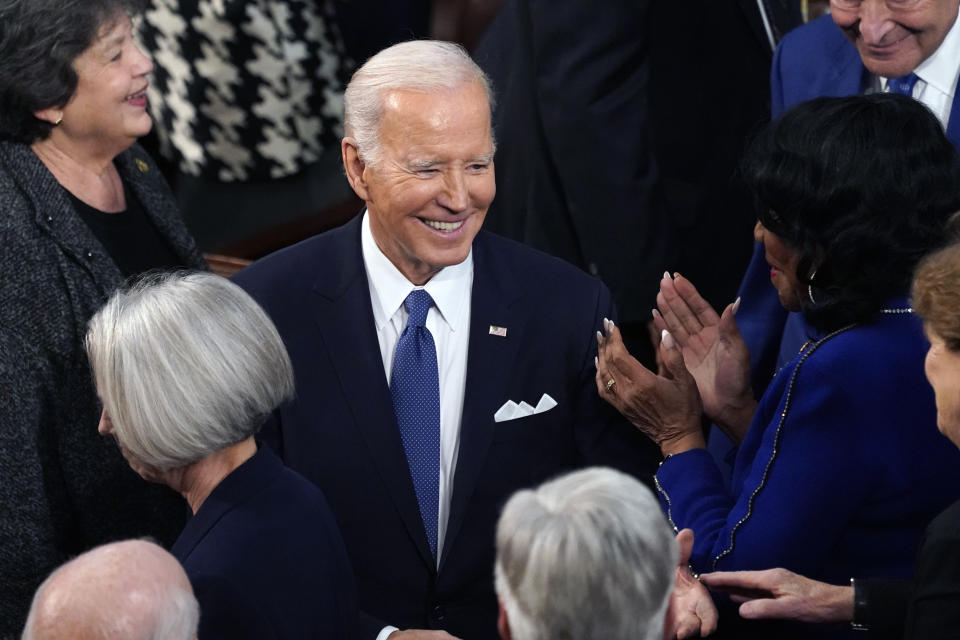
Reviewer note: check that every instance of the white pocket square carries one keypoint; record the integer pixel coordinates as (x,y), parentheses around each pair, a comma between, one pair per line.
(511,410)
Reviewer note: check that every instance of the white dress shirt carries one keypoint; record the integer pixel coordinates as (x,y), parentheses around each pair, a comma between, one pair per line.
(449,323)
(937,76)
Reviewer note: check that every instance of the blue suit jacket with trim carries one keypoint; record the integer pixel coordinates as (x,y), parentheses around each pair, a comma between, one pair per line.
(341,433)
(840,471)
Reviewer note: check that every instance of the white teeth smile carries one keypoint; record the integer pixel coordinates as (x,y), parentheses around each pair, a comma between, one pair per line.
(443,226)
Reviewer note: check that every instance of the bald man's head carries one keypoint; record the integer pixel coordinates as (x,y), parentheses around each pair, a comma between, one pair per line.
(132,590)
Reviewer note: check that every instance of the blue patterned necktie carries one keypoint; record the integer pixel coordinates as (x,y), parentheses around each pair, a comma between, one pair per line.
(415,387)
(903,85)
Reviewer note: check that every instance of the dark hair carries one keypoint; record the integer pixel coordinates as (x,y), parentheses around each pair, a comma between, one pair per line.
(862,188)
(936,294)
(39,40)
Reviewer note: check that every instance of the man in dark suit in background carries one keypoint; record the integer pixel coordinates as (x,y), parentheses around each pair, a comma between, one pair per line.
(488,348)
(670,108)
(577,177)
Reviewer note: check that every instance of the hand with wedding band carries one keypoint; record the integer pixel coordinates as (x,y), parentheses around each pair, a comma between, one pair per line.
(713,350)
(666,408)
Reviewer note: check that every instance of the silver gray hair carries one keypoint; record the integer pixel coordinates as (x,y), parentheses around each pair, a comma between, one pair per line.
(186,364)
(131,590)
(418,65)
(587,555)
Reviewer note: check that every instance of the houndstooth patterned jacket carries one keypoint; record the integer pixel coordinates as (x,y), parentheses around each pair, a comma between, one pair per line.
(245,89)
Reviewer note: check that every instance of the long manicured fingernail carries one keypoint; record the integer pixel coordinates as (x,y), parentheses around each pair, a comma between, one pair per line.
(667,339)
(655,313)
(596,362)
(599,337)
(736,305)
(666,275)
(676,274)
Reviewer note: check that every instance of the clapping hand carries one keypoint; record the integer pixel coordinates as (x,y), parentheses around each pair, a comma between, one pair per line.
(666,407)
(713,350)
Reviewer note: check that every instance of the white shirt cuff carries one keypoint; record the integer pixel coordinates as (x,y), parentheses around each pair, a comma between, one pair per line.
(386,631)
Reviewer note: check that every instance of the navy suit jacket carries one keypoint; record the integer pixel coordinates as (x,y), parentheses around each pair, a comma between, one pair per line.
(812,61)
(341,432)
(266,560)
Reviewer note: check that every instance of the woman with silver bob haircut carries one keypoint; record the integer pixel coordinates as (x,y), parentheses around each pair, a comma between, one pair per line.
(587,555)
(188,368)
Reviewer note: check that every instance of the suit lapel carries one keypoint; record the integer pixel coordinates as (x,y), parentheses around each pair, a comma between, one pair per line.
(489,363)
(341,308)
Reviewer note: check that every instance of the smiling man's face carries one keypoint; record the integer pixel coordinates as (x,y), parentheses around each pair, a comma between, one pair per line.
(433,181)
(894,36)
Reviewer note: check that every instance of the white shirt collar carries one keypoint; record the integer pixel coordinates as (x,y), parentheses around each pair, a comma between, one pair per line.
(450,288)
(942,68)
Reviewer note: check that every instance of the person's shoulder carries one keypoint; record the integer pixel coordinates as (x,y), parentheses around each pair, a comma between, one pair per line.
(299,265)
(811,36)
(887,352)
(812,53)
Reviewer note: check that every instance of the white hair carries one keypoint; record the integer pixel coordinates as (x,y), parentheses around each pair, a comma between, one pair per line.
(417,65)
(131,590)
(186,364)
(588,555)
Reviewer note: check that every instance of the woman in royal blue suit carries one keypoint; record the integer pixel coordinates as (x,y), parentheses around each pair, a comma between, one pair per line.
(188,367)
(839,466)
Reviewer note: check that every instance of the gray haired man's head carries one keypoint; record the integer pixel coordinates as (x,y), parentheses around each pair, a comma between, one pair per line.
(418,65)
(585,556)
(131,590)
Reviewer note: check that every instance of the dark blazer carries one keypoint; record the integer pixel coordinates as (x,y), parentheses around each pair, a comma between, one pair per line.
(341,432)
(575,171)
(812,61)
(266,560)
(721,58)
(65,488)
(928,607)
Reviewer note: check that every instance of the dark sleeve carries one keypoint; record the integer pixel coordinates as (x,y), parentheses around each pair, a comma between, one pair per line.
(880,605)
(934,610)
(32,495)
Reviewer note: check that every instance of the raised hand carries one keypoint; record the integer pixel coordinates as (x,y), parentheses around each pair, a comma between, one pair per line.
(665,407)
(713,350)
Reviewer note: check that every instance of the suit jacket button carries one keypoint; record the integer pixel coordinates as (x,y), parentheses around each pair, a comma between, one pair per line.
(438,614)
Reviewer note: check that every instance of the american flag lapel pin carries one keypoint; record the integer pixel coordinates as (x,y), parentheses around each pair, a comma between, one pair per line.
(498,331)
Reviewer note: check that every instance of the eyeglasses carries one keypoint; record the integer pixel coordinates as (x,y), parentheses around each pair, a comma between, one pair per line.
(893,5)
